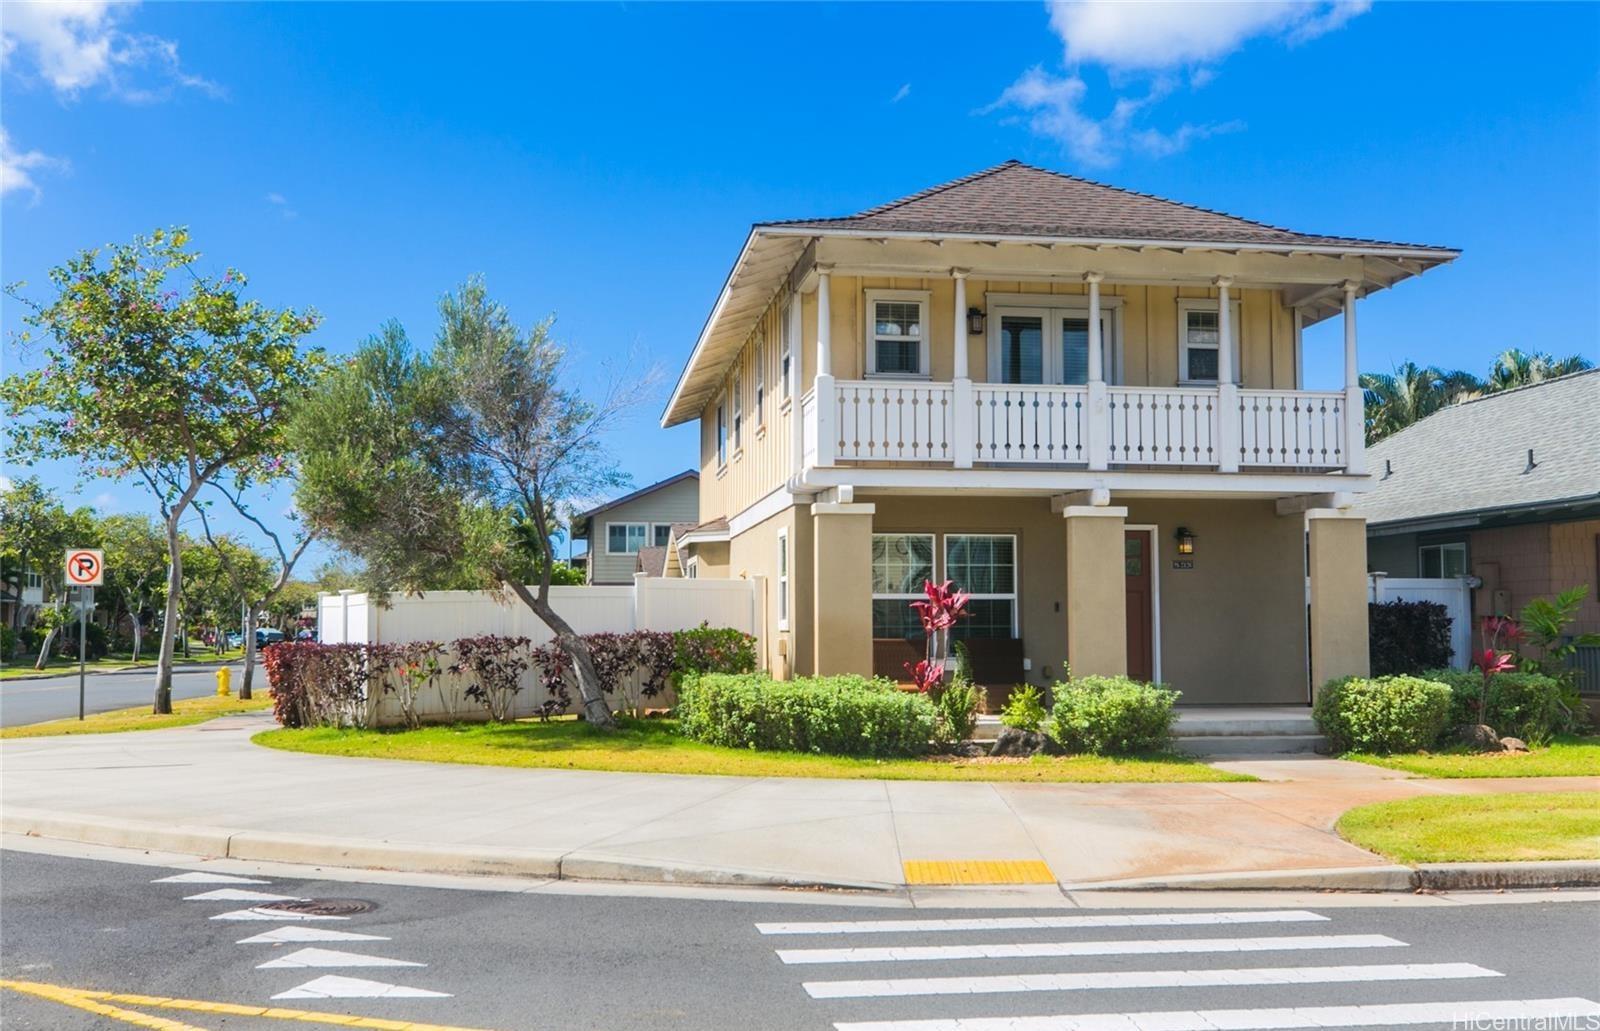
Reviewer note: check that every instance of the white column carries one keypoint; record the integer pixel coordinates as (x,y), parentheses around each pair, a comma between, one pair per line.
(1099,426)
(962,422)
(1228,415)
(1355,421)
(824,321)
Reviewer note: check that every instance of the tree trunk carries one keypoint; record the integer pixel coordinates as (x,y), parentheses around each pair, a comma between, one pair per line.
(595,708)
(137,618)
(249,652)
(169,622)
(44,649)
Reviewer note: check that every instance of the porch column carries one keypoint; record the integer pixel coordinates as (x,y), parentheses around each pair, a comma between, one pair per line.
(1337,566)
(1355,419)
(962,430)
(1097,590)
(841,588)
(827,435)
(1099,427)
(1227,385)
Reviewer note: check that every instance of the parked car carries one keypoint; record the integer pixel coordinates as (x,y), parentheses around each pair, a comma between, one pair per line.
(267,635)
(235,640)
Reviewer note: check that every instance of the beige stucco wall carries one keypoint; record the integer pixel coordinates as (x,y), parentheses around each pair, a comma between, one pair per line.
(1097,624)
(755,553)
(841,610)
(1336,562)
(711,558)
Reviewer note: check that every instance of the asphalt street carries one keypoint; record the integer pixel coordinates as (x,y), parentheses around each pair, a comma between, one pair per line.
(457,958)
(54,698)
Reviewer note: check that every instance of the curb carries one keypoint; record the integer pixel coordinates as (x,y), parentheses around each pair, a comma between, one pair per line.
(318,850)
(204,666)
(1427,877)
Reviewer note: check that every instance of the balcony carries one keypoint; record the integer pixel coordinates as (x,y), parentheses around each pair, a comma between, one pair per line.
(962,424)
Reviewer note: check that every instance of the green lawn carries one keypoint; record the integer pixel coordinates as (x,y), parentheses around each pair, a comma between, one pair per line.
(184,712)
(654,746)
(16,669)
(1479,828)
(1565,757)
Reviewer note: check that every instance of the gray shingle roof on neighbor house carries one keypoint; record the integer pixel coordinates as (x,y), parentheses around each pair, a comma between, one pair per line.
(1014,199)
(1471,459)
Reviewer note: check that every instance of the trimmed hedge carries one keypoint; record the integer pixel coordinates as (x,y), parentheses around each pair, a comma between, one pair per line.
(1523,705)
(1407,637)
(840,715)
(1112,716)
(1382,714)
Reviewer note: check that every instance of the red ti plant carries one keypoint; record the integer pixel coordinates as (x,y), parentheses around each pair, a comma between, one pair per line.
(944,605)
(1491,660)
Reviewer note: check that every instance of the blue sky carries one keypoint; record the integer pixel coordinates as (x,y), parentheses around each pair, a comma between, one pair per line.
(603,162)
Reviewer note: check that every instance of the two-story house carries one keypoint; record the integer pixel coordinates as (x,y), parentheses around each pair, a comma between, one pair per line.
(1083,405)
(638,524)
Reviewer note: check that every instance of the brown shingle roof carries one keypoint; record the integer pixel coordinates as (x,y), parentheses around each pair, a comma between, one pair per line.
(1014,199)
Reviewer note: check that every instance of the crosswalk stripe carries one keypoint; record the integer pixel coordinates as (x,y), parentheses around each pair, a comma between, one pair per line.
(1491,1013)
(1023,923)
(1133,947)
(992,983)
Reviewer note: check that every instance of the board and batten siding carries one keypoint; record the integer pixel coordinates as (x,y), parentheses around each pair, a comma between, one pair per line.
(675,503)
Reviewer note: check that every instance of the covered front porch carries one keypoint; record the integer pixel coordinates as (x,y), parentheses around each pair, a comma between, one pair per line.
(1205,594)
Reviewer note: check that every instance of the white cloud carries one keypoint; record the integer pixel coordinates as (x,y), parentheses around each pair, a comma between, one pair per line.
(900,94)
(281,202)
(17,166)
(73,45)
(106,503)
(1163,43)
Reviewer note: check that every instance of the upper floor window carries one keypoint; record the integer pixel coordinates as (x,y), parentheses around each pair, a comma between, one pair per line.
(1199,340)
(625,538)
(761,379)
(789,332)
(32,580)
(722,431)
(661,533)
(738,411)
(1045,339)
(897,330)
(1442,560)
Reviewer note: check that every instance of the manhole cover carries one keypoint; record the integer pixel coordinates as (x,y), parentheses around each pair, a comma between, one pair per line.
(322,907)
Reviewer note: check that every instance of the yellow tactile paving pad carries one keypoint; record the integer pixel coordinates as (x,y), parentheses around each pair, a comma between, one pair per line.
(977,871)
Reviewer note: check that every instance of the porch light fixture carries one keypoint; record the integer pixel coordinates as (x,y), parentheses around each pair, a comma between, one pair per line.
(974,320)
(1185,540)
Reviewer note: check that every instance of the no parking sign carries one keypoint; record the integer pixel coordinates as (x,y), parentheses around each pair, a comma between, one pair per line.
(86,567)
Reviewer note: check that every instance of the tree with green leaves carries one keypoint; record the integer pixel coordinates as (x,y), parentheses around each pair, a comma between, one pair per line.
(1408,395)
(38,531)
(155,369)
(136,566)
(451,466)
(1518,368)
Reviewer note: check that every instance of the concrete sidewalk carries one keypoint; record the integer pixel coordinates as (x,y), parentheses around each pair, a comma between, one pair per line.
(205,789)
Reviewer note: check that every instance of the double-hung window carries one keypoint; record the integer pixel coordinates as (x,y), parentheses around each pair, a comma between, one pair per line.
(625,538)
(738,411)
(722,432)
(897,332)
(788,333)
(761,379)
(660,534)
(984,565)
(1200,340)
(901,564)
(783,579)
(1442,560)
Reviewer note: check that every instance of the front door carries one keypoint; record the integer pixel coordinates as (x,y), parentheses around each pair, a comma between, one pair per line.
(1138,557)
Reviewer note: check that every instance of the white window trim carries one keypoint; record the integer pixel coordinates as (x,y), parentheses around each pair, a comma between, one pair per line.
(761,379)
(1441,547)
(720,432)
(786,349)
(1015,595)
(737,388)
(783,579)
(933,564)
(1051,311)
(919,297)
(627,522)
(691,568)
(1185,306)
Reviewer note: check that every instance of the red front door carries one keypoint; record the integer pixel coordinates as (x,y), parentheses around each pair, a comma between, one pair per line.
(1138,556)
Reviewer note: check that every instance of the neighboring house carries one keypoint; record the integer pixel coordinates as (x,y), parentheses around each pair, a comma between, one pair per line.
(1033,384)
(618,530)
(1505,488)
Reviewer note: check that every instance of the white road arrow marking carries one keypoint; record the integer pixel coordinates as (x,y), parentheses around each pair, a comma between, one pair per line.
(238,895)
(284,935)
(272,914)
(314,957)
(207,878)
(335,986)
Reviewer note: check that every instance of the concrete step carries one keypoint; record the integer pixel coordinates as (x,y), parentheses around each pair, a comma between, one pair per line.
(1249,744)
(1225,723)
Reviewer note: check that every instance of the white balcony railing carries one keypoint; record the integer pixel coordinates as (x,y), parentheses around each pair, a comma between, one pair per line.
(963,423)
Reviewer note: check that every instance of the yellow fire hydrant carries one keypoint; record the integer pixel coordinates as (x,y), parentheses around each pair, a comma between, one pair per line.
(224,675)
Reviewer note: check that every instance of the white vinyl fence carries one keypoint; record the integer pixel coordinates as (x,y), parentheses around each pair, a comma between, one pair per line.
(652,603)
(1452,592)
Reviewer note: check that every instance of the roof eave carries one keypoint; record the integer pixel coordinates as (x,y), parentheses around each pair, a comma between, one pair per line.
(668,419)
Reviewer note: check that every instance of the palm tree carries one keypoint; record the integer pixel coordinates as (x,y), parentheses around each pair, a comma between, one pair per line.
(1410,393)
(1518,368)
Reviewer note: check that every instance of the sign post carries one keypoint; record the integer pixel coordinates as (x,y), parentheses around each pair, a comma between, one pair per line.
(86,569)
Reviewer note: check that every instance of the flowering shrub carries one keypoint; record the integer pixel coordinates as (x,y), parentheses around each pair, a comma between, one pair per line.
(1522,705)
(496,664)
(840,715)
(405,669)
(319,685)
(708,649)
(1112,716)
(1382,714)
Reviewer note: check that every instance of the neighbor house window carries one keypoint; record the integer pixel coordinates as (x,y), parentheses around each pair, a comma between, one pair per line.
(761,379)
(789,332)
(722,432)
(783,579)
(738,411)
(901,564)
(625,538)
(661,533)
(1442,560)
(32,580)
(1200,337)
(984,565)
(897,343)
(692,570)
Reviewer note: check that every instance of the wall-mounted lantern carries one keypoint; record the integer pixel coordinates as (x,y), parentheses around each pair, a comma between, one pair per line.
(1185,539)
(974,320)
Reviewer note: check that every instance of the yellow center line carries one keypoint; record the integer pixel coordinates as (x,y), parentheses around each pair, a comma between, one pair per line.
(84,998)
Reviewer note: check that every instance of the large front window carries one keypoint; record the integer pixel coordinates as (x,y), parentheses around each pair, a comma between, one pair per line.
(901,564)
(625,538)
(984,565)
